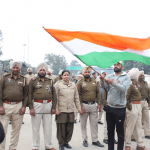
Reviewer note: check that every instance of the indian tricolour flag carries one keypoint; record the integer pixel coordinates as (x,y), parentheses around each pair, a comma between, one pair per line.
(101,49)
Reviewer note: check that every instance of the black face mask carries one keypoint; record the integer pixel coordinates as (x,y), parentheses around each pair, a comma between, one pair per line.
(87,77)
(41,76)
(117,70)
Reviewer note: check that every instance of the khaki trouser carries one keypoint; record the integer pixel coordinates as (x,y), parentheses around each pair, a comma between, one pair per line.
(12,112)
(133,125)
(100,114)
(64,132)
(145,117)
(91,111)
(40,109)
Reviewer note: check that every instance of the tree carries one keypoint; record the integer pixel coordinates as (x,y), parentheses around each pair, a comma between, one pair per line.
(1,38)
(56,62)
(134,64)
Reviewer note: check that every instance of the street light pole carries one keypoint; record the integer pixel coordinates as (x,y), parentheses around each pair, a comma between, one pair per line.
(24,52)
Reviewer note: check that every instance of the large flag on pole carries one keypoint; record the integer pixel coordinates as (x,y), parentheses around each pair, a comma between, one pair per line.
(101,49)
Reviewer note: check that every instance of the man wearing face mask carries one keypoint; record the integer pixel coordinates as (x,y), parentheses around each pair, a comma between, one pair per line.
(30,75)
(88,93)
(143,88)
(117,85)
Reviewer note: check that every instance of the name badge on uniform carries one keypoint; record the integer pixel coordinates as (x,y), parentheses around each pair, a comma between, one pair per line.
(20,82)
(38,84)
(9,80)
(84,84)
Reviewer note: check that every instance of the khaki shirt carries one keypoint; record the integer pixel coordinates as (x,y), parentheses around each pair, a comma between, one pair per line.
(29,77)
(51,77)
(143,88)
(67,96)
(88,91)
(133,93)
(40,90)
(13,90)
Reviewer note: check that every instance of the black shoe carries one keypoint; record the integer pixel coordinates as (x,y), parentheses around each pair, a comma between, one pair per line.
(133,140)
(9,122)
(105,141)
(100,122)
(115,142)
(67,146)
(85,143)
(22,122)
(61,147)
(97,144)
(147,137)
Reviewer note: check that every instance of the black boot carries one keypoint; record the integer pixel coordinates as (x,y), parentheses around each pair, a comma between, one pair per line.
(61,147)
(97,144)
(67,146)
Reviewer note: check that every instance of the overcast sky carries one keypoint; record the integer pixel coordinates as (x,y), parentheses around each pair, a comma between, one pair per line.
(22,21)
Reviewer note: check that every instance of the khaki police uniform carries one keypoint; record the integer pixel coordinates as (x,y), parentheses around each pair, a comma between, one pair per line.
(29,77)
(44,98)
(53,77)
(143,88)
(88,93)
(13,96)
(67,97)
(133,123)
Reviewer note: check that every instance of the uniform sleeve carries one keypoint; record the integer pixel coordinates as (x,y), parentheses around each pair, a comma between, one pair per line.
(79,88)
(123,87)
(54,99)
(98,96)
(25,95)
(56,90)
(30,94)
(76,99)
(128,104)
(104,97)
(1,90)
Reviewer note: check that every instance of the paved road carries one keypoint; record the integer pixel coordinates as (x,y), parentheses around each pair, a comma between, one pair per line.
(25,141)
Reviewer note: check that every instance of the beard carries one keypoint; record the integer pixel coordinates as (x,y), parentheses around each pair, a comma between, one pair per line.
(142,79)
(30,73)
(41,76)
(117,70)
(15,72)
(87,77)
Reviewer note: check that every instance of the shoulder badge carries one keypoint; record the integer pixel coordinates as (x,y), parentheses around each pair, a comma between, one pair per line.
(6,74)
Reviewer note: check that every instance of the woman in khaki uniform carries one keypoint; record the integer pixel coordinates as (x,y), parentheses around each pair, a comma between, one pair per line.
(67,95)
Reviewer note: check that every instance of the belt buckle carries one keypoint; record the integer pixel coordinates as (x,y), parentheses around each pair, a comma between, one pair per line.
(12,103)
(89,103)
(44,101)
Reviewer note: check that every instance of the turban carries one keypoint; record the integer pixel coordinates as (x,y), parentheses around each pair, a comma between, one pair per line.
(141,73)
(85,68)
(13,63)
(134,73)
(60,72)
(29,69)
(50,70)
(44,65)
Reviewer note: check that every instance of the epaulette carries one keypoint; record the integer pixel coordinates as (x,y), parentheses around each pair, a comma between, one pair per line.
(48,78)
(22,75)
(34,78)
(6,74)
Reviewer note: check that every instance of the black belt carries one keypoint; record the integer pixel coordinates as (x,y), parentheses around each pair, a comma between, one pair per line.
(88,102)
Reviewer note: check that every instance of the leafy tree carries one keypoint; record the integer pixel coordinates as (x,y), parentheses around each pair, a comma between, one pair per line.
(134,64)
(1,38)
(56,62)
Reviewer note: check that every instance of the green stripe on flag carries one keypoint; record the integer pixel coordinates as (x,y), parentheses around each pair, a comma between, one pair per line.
(107,59)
